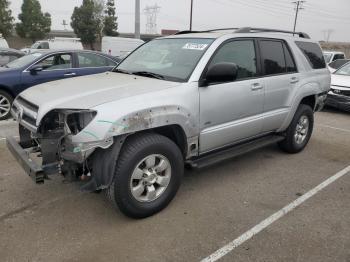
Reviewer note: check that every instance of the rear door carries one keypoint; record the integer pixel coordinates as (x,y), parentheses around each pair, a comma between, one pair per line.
(280,77)
(54,67)
(91,63)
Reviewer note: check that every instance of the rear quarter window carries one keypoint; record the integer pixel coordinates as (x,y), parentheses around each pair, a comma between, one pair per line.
(313,53)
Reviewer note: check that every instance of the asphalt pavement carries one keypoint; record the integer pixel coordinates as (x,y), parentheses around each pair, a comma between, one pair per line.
(216,205)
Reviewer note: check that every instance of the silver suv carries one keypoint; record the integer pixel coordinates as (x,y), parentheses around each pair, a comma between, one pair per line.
(194,98)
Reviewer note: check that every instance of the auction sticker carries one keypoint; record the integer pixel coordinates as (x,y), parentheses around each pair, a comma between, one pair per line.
(194,46)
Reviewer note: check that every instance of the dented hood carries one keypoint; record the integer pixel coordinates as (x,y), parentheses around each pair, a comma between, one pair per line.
(90,91)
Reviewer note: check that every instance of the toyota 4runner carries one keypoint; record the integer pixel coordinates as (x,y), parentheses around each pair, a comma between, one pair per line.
(193,98)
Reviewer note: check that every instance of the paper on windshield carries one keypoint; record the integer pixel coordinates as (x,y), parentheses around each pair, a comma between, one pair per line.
(194,46)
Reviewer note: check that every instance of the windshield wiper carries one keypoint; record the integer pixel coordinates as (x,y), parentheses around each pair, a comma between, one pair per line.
(121,71)
(148,74)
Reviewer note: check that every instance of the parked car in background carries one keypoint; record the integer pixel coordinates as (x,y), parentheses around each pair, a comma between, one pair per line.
(195,98)
(119,46)
(3,42)
(8,55)
(339,95)
(331,56)
(335,65)
(57,43)
(41,67)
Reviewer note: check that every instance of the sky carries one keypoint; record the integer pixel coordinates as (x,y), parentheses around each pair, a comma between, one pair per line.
(316,18)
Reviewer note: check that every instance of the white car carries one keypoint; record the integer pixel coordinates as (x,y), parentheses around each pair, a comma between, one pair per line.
(58,43)
(331,56)
(3,42)
(339,95)
(119,46)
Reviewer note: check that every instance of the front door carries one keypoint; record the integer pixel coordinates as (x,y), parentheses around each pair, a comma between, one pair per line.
(54,67)
(231,112)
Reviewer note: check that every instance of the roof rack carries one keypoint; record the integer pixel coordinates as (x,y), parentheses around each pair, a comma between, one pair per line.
(249,30)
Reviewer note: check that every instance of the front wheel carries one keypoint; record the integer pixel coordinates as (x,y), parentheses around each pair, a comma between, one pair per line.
(148,174)
(299,131)
(5,105)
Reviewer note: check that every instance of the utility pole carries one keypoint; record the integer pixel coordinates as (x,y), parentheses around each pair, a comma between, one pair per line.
(299,6)
(191,15)
(137,19)
(327,34)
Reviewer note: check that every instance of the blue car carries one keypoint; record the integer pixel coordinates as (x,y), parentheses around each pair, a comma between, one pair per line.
(45,66)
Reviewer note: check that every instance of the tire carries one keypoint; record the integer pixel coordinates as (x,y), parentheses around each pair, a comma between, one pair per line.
(5,105)
(296,140)
(138,152)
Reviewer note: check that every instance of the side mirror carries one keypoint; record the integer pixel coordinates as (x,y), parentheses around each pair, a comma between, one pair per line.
(35,69)
(221,73)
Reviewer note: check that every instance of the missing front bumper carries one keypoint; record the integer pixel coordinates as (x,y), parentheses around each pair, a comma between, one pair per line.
(34,170)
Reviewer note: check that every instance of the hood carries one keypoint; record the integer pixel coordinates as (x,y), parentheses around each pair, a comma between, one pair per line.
(4,69)
(340,80)
(90,91)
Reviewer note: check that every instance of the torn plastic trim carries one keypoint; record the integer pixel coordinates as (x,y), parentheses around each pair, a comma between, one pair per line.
(104,162)
(78,151)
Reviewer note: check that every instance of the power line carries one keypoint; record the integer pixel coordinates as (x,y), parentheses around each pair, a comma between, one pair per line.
(299,6)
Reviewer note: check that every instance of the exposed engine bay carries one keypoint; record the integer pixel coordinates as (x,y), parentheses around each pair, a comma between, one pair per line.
(53,143)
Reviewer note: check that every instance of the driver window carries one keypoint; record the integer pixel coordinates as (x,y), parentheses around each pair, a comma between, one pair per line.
(240,52)
(54,62)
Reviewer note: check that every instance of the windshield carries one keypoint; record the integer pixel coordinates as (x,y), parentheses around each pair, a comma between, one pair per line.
(345,70)
(170,59)
(35,45)
(24,60)
(327,57)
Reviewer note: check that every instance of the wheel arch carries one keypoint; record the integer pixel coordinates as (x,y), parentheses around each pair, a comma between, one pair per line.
(7,90)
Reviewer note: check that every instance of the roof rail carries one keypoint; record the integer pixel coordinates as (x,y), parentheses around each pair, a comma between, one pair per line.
(187,32)
(257,30)
(248,30)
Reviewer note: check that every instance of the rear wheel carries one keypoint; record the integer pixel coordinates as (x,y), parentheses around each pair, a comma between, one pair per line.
(299,132)
(148,174)
(5,105)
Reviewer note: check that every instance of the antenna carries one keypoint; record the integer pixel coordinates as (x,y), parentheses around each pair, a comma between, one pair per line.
(151,15)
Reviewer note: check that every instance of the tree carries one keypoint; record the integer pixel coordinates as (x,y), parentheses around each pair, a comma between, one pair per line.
(34,23)
(110,21)
(6,19)
(87,21)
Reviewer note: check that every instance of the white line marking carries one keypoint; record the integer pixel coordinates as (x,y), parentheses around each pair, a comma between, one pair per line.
(4,138)
(336,128)
(268,221)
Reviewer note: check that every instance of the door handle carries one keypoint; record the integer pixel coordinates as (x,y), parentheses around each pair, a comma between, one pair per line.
(70,74)
(256,86)
(294,80)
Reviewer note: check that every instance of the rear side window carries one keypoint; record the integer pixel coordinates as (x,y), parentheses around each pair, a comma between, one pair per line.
(93,60)
(273,59)
(290,64)
(313,54)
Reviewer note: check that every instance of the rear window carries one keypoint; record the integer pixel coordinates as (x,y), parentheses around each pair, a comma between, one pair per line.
(313,54)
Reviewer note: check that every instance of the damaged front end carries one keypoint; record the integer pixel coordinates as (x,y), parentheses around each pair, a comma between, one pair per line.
(50,147)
